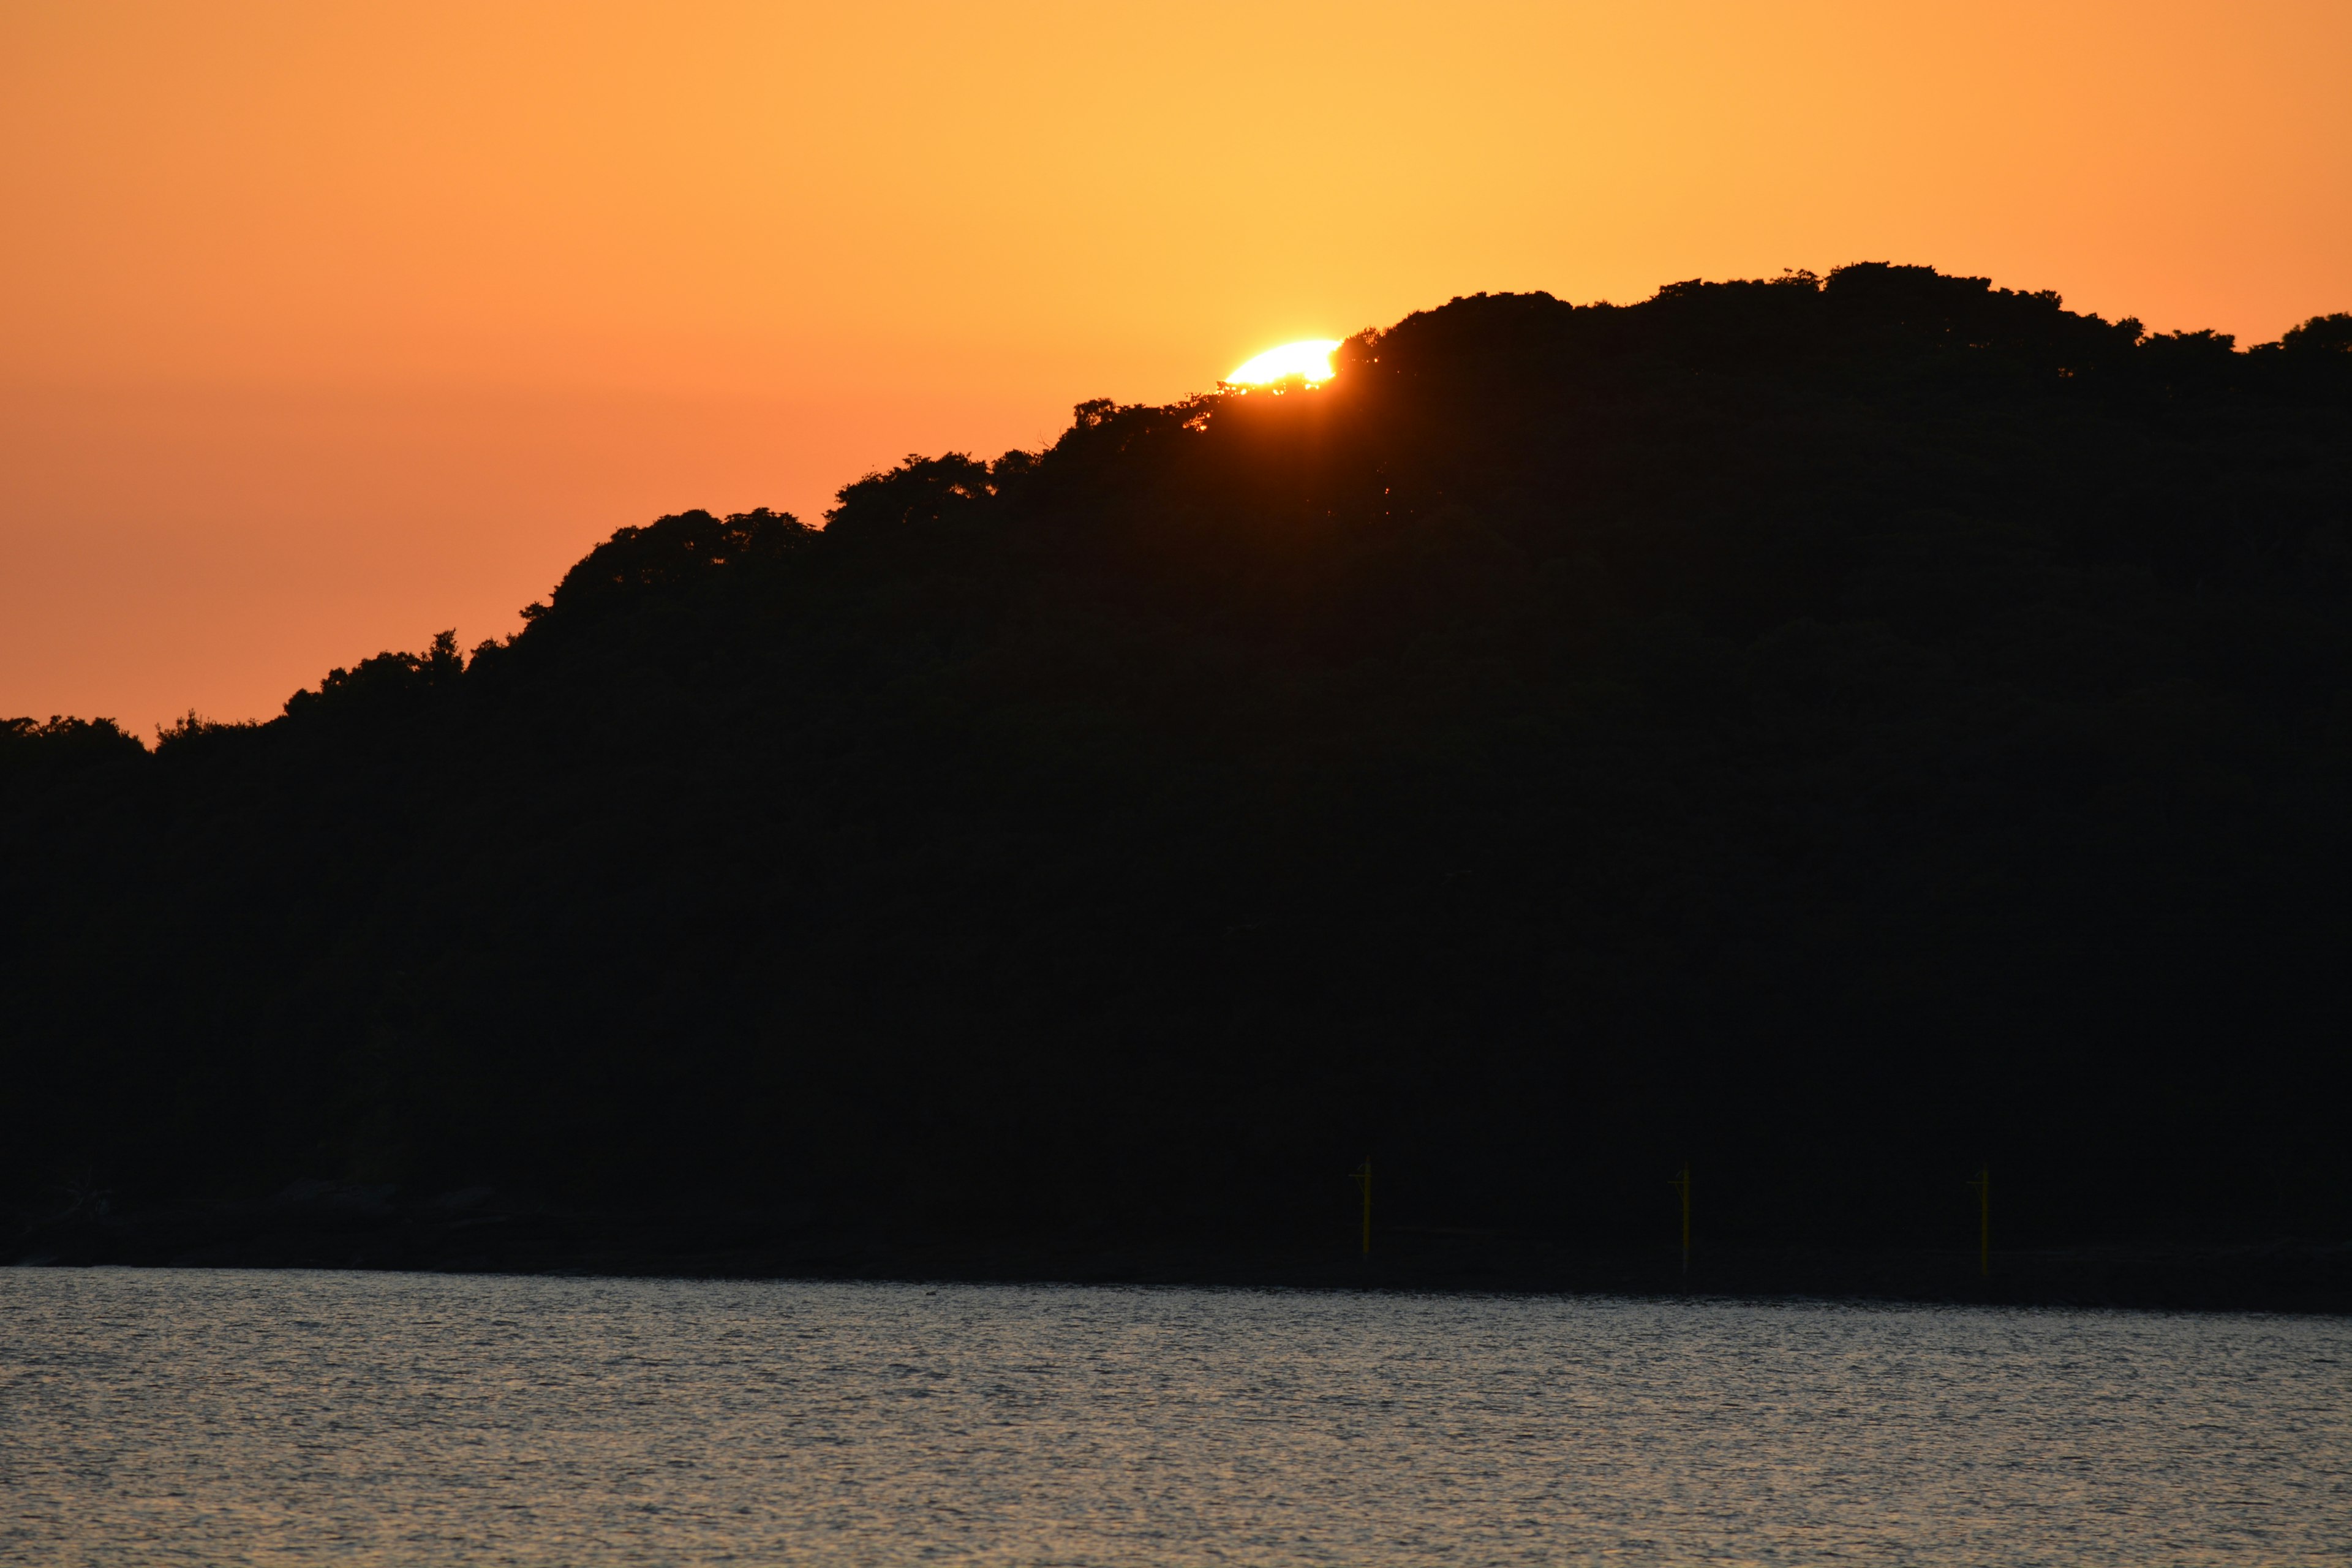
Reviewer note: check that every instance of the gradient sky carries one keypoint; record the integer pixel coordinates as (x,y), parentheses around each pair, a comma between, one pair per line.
(326,326)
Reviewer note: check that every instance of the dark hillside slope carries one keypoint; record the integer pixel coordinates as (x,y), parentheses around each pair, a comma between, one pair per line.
(1836,732)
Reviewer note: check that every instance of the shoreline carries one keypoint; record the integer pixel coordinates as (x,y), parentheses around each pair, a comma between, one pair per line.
(360,1228)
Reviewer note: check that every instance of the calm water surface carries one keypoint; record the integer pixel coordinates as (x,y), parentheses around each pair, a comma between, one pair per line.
(183,1416)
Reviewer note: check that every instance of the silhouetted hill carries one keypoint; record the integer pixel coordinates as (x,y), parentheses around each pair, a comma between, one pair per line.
(1840,732)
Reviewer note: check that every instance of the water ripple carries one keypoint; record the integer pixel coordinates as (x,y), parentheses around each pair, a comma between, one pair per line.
(199,1416)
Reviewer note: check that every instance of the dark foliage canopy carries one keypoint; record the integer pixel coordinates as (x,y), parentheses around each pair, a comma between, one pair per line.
(1839,731)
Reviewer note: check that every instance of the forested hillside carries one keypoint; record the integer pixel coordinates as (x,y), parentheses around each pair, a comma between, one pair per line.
(1838,732)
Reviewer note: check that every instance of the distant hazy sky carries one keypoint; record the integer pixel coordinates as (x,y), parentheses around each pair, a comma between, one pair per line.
(324,326)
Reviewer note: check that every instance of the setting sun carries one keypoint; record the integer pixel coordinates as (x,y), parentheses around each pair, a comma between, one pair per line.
(1310,357)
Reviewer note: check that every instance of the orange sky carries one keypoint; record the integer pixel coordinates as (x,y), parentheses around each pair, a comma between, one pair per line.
(324,327)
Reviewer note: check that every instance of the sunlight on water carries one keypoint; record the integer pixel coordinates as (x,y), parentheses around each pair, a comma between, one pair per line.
(199,1416)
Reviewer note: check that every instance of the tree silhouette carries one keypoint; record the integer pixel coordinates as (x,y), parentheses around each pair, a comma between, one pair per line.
(1878,722)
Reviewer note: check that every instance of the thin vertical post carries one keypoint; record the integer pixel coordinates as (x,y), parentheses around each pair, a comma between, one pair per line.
(1984,1222)
(1982,1182)
(1683,1183)
(1364,1179)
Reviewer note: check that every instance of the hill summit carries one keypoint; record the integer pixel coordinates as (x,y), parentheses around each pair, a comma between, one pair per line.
(1841,732)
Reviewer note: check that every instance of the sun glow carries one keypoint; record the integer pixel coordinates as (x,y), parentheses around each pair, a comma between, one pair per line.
(1310,357)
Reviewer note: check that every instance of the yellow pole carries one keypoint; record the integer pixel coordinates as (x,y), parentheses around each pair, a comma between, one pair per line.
(1364,1177)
